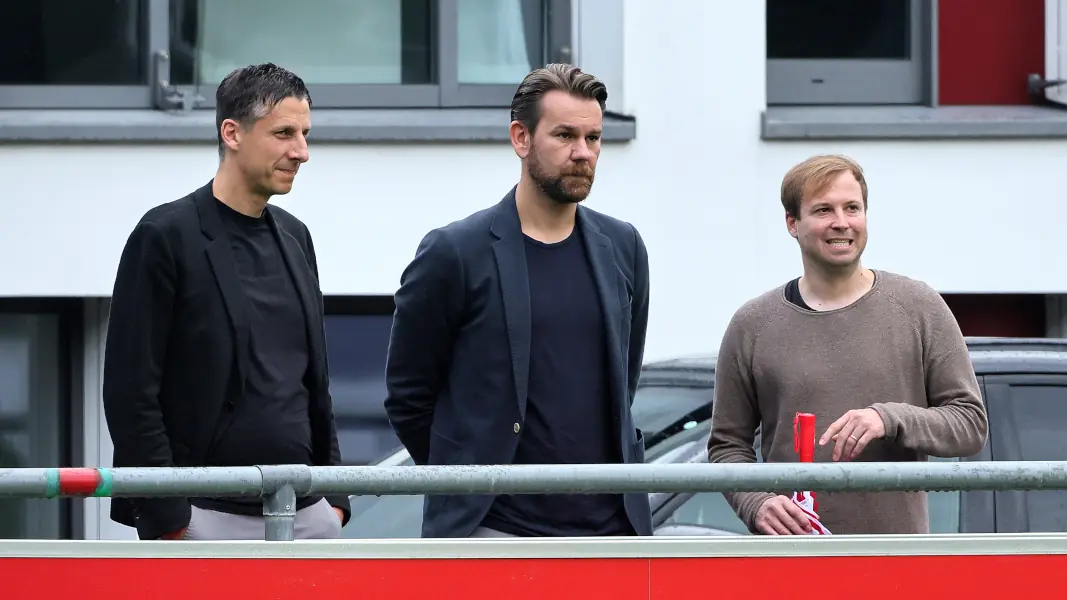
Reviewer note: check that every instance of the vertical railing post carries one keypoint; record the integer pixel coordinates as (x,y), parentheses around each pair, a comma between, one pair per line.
(279,512)
(282,484)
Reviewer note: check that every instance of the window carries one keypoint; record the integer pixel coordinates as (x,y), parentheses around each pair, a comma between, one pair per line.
(906,69)
(352,53)
(912,52)
(35,415)
(850,52)
(72,53)
(357,345)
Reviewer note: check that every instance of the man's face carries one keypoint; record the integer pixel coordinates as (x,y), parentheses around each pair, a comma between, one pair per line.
(565,146)
(271,151)
(832,228)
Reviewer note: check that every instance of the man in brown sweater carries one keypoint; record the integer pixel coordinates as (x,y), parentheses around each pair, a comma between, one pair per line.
(877,357)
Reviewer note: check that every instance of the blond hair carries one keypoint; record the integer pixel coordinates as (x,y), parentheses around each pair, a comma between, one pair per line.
(813,176)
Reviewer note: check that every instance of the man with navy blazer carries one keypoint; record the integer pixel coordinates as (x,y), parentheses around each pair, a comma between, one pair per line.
(519,332)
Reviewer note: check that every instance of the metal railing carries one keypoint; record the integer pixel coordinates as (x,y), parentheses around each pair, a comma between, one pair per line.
(280,485)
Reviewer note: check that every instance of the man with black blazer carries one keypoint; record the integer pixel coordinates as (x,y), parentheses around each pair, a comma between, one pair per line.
(519,331)
(215,352)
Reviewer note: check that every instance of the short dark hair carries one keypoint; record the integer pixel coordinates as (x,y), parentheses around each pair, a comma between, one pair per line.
(247,94)
(526,104)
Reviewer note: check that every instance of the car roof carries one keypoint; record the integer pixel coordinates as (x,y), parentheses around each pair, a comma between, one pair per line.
(989,355)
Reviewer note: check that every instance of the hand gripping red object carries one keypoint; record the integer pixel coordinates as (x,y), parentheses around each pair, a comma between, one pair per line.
(804,445)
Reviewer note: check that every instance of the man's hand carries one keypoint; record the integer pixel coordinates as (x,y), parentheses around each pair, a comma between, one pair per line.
(852,432)
(340,514)
(174,535)
(779,516)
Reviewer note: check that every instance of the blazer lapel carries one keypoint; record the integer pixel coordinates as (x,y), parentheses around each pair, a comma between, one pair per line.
(300,271)
(510,253)
(220,256)
(602,260)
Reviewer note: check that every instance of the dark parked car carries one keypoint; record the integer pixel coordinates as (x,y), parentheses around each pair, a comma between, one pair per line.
(1023,381)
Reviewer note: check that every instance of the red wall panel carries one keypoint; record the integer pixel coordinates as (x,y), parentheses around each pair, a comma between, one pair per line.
(996,577)
(986,49)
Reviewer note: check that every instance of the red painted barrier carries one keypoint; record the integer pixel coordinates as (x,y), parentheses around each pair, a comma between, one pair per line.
(868,577)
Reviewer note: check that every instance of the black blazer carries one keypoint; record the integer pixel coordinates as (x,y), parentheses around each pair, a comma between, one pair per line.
(459,351)
(177,350)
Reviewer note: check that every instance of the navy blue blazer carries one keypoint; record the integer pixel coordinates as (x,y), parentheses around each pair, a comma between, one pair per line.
(459,350)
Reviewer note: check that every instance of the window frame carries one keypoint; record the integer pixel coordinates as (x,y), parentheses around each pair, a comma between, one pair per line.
(1055,50)
(790,82)
(594,40)
(158,92)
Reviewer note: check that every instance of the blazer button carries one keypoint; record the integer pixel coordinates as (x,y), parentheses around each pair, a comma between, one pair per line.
(228,407)
(516,428)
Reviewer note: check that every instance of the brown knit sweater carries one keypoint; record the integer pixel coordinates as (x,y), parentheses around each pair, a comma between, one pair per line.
(897,350)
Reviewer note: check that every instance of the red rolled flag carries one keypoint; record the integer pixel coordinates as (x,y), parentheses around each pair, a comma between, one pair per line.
(804,445)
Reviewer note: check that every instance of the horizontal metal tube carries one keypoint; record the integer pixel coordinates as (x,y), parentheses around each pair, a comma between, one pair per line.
(534,479)
(138,482)
(815,477)
(187,481)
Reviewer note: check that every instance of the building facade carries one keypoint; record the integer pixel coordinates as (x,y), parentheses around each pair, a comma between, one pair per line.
(710,103)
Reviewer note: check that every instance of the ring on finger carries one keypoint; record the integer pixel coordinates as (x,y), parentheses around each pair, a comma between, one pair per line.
(853,436)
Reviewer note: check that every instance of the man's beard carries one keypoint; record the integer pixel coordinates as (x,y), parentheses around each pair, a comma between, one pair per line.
(569,187)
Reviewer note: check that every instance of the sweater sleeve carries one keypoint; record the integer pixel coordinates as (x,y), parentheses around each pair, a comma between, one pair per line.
(954,422)
(735,412)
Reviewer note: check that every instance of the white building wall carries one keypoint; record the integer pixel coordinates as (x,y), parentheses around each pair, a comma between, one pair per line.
(966,216)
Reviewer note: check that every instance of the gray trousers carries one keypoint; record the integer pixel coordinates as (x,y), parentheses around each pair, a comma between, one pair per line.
(485,532)
(316,522)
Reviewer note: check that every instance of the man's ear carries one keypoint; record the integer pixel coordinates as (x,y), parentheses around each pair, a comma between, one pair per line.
(791,225)
(230,131)
(521,139)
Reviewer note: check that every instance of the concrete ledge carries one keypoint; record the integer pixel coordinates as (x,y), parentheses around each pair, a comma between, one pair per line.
(604,547)
(328,125)
(913,122)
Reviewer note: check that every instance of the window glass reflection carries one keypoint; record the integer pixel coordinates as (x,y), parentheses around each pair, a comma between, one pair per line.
(838,29)
(72,42)
(500,41)
(323,41)
(30,424)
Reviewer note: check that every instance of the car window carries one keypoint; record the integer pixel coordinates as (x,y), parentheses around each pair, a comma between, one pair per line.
(944,507)
(657,409)
(1039,416)
(375,517)
(711,509)
(707,510)
(385,517)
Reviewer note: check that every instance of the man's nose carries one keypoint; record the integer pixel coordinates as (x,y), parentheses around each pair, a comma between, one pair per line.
(581,151)
(840,222)
(299,152)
